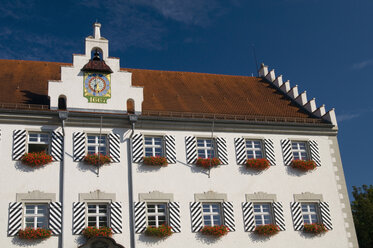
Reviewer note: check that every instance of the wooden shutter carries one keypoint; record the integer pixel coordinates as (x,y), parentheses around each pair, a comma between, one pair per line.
(248,216)
(314,152)
(114,147)
(269,150)
(325,215)
(78,217)
(140,216)
(170,148)
(19,144)
(116,217)
(229,216)
(55,217)
(239,144)
(296,211)
(196,216)
(286,151)
(57,146)
(278,213)
(137,148)
(15,218)
(221,145)
(79,146)
(191,149)
(174,210)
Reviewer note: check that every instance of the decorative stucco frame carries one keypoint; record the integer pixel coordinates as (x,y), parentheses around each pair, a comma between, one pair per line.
(261,197)
(308,197)
(210,196)
(156,196)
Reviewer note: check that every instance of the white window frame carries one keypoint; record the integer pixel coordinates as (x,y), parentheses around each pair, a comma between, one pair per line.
(253,149)
(153,146)
(39,140)
(97,214)
(205,148)
(262,214)
(157,214)
(211,213)
(311,213)
(299,151)
(35,215)
(97,143)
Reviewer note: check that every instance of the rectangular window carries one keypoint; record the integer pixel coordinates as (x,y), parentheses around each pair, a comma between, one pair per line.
(262,214)
(205,148)
(153,146)
(310,213)
(254,149)
(211,214)
(98,215)
(36,215)
(38,142)
(97,144)
(157,214)
(299,150)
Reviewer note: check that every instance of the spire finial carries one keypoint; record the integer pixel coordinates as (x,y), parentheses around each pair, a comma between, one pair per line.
(96,30)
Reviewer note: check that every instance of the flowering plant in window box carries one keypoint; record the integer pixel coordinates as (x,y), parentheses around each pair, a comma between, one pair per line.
(208,162)
(155,160)
(34,233)
(267,230)
(257,163)
(161,231)
(216,231)
(314,228)
(304,165)
(97,159)
(36,159)
(92,231)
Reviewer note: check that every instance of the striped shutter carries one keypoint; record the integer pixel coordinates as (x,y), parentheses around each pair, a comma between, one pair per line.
(174,209)
(248,216)
(269,151)
(55,217)
(137,148)
(57,146)
(286,151)
(314,151)
(196,216)
(114,147)
(239,144)
(140,216)
(229,216)
(221,145)
(296,211)
(116,217)
(79,146)
(170,147)
(191,149)
(278,212)
(78,217)
(15,218)
(325,215)
(19,144)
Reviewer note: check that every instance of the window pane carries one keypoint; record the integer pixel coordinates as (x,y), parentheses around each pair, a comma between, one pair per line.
(30,209)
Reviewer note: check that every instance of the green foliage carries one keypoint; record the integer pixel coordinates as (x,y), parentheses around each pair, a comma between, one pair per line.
(362,211)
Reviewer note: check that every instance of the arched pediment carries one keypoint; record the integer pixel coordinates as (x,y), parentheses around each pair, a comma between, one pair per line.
(101,242)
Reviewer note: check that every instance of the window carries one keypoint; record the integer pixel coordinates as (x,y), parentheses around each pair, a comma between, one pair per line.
(36,215)
(211,214)
(299,150)
(38,142)
(262,214)
(97,144)
(98,215)
(310,213)
(156,214)
(153,146)
(253,149)
(205,148)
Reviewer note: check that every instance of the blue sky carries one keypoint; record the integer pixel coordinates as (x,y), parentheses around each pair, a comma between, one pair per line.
(324,46)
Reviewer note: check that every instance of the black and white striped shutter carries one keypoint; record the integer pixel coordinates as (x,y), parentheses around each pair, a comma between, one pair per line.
(196,216)
(325,215)
(79,146)
(296,211)
(15,218)
(137,148)
(174,209)
(170,147)
(55,217)
(269,151)
(221,145)
(248,216)
(114,147)
(286,151)
(278,212)
(78,217)
(116,217)
(191,149)
(239,144)
(229,216)
(140,216)
(314,151)
(57,146)
(19,144)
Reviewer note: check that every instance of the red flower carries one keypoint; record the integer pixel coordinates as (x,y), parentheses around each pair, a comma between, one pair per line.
(97,159)
(314,228)
(216,231)
(155,160)
(36,159)
(32,233)
(208,162)
(91,232)
(257,163)
(267,230)
(304,165)
(161,231)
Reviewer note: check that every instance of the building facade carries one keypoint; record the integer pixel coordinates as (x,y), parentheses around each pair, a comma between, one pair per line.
(93,106)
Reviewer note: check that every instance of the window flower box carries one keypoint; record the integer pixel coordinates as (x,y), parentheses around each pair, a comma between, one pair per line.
(267,230)
(215,231)
(155,161)
(314,228)
(32,233)
(304,165)
(36,159)
(97,159)
(160,232)
(92,232)
(207,163)
(257,163)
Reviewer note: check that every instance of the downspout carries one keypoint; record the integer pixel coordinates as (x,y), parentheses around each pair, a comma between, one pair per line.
(132,120)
